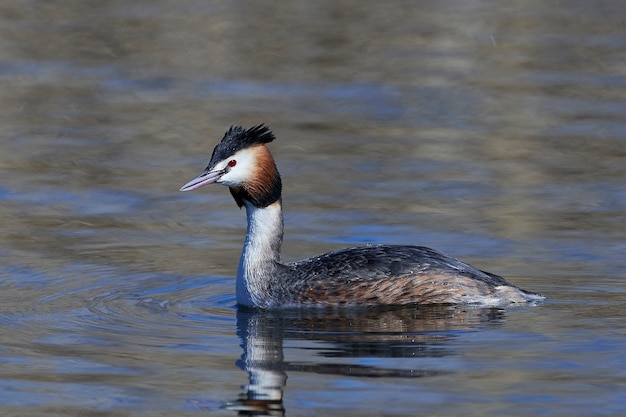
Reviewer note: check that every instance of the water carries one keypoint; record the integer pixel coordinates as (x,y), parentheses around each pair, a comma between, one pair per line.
(493,132)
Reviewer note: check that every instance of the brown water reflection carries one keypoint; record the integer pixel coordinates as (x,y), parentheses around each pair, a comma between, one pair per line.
(394,332)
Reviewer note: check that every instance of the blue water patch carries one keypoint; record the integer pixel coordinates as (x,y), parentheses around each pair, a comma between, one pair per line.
(87,202)
(130,84)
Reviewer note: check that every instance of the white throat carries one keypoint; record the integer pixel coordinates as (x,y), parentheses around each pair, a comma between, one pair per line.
(260,255)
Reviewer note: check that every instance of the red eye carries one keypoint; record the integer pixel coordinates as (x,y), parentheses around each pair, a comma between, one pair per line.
(232,163)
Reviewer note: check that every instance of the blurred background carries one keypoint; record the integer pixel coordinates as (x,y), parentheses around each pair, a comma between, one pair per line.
(493,131)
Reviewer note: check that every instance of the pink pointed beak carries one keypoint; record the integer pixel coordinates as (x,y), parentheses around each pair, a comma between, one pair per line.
(207,177)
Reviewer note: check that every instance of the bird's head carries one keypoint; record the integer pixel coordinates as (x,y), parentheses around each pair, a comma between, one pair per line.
(242,162)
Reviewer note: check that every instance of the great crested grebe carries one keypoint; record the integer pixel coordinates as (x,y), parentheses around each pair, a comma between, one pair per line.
(365,275)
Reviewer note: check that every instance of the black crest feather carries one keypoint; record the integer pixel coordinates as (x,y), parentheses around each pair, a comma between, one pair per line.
(238,138)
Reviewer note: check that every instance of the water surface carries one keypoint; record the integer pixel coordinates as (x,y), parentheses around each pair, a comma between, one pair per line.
(492,132)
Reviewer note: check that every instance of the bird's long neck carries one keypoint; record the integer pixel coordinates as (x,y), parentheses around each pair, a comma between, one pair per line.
(261,253)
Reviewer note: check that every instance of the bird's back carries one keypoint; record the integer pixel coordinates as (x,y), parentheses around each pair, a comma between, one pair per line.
(388,274)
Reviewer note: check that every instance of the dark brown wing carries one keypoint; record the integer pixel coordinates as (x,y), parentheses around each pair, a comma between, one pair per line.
(386,274)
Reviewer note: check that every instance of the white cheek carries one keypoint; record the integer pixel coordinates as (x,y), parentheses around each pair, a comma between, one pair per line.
(242,171)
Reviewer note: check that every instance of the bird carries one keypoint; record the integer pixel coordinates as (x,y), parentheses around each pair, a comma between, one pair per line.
(370,275)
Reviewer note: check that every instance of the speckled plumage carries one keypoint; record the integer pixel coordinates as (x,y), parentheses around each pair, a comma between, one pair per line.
(366,275)
(386,274)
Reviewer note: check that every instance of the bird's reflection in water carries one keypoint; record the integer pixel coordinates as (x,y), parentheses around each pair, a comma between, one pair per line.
(389,332)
